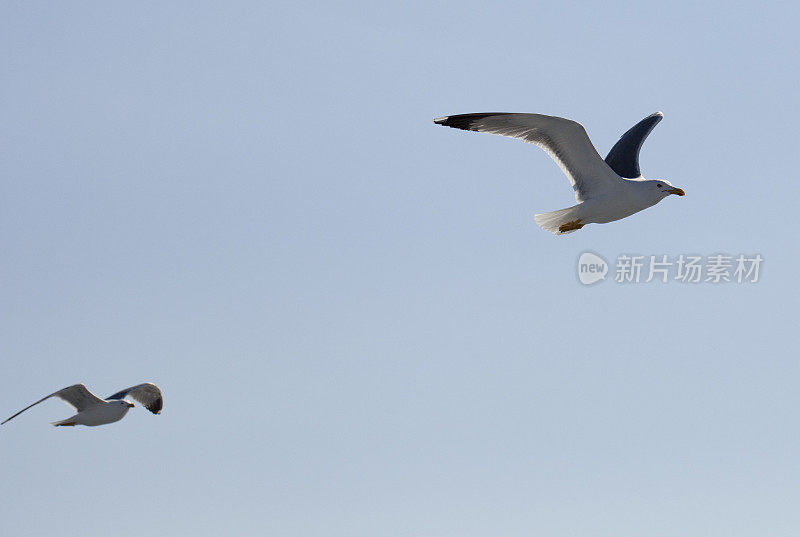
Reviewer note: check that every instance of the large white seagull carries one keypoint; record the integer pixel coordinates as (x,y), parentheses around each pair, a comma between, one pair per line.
(95,411)
(605,190)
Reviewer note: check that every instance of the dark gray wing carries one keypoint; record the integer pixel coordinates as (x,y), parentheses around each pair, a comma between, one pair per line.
(149,395)
(624,156)
(564,140)
(77,395)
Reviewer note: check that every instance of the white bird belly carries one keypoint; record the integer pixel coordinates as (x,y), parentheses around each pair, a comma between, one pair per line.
(101,414)
(608,209)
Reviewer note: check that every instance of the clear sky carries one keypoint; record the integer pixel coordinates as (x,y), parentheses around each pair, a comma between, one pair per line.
(358,327)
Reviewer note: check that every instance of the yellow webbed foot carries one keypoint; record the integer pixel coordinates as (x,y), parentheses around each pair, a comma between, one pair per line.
(571,226)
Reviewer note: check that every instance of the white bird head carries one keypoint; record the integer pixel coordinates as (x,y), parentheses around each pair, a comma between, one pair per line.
(666,188)
(658,189)
(124,403)
(651,191)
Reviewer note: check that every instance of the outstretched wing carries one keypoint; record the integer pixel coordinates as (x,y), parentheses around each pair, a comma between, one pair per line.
(624,156)
(564,140)
(76,395)
(147,394)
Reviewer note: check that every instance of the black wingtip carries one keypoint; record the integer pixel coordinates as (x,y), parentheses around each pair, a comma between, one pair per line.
(463,121)
(156,406)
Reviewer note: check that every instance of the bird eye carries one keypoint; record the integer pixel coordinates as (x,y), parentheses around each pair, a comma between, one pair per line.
(659,185)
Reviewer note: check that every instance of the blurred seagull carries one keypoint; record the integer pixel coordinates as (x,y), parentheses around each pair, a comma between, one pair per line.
(95,411)
(605,190)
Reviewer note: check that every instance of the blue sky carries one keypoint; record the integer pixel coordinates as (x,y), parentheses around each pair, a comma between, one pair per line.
(358,327)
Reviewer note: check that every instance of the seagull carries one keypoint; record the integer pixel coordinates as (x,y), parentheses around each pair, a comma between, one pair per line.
(605,190)
(95,411)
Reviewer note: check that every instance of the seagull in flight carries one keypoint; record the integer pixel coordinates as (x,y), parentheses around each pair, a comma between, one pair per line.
(95,411)
(606,190)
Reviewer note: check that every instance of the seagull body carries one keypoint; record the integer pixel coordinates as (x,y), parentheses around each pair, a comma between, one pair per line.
(94,411)
(605,190)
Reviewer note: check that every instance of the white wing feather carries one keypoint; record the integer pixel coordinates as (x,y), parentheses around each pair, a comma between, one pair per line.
(564,140)
(77,395)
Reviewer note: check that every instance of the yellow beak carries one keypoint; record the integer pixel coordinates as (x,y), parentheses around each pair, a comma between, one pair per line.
(677,191)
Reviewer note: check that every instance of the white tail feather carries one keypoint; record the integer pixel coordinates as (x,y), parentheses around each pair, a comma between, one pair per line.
(552,221)
(69,422)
